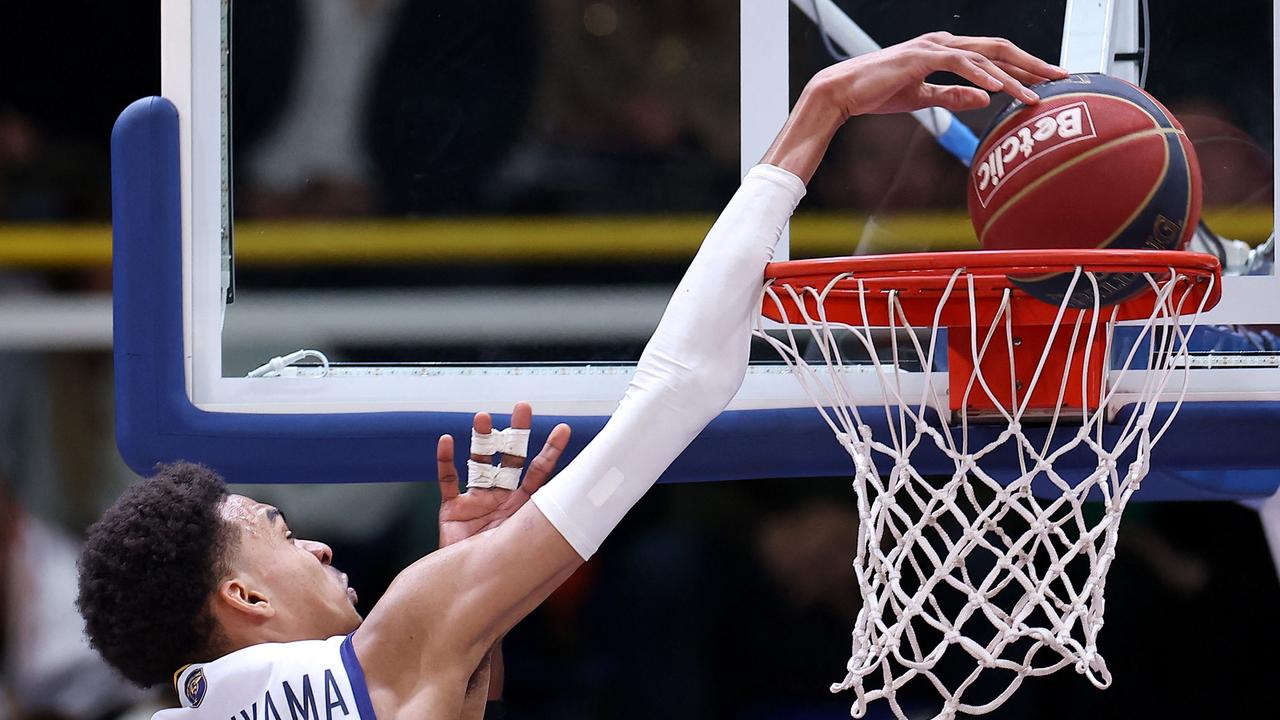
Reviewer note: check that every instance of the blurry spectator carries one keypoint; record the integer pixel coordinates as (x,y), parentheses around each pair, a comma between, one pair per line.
(356,107)
(449,101)
(637,108)
(28,459)
(42,180)
(69,68)
(632,74)
(351,107)
(808,551)
(310,161)
(49,670)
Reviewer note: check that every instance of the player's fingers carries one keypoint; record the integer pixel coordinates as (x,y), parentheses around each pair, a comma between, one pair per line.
(953,97)
(522,415)
(446,471)
(981,71)
(483,425)
(1025,77)
(521,419)
(1002,50)
(965,65)
(545,464)
(1008,83)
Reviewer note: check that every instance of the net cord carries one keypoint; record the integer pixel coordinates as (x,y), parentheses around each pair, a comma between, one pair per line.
(916,535)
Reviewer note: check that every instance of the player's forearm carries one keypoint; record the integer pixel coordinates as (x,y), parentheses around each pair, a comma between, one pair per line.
(804,138)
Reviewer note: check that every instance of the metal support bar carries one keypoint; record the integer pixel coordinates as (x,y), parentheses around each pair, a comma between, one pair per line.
(1097,32)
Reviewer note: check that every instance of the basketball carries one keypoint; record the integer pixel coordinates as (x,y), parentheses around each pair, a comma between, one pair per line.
(1098,163)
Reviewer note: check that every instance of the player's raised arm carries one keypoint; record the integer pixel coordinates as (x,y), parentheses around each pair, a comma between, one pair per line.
(893,80)
(442,614)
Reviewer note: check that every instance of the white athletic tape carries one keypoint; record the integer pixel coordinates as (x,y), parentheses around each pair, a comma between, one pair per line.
(482,475)
(512,441)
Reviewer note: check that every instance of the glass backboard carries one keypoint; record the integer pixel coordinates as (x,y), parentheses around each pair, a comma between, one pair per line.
(469,207)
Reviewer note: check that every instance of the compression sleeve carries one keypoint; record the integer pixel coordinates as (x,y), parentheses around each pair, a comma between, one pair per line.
(689,371)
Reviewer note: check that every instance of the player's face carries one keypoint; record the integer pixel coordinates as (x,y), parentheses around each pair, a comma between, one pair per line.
(310,597)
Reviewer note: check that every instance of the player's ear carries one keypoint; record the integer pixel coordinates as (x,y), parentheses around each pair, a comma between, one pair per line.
(237,597)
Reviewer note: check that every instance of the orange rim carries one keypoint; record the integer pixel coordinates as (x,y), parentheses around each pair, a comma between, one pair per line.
(920,281)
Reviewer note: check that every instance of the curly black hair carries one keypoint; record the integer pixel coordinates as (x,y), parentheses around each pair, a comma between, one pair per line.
(148,569)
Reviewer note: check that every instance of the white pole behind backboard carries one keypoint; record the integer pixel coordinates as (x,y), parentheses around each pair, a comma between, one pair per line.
(1095,32)
(766,92)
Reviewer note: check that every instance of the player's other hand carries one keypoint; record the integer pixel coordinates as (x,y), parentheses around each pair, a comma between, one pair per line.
(463,514)
(892,80)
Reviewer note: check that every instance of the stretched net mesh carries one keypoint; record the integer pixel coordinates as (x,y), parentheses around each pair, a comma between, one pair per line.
(970,581)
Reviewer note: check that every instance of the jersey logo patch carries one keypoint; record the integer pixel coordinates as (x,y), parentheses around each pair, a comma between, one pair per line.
(195,687)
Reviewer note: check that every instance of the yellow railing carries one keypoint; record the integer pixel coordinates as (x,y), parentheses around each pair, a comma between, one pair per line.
(535,239)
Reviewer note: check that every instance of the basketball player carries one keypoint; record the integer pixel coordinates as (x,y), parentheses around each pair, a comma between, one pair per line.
(179,572)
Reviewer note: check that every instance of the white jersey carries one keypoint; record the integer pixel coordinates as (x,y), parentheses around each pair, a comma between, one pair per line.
(304,680)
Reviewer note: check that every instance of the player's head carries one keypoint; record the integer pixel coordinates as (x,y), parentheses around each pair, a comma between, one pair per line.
(179,570)
(279,587)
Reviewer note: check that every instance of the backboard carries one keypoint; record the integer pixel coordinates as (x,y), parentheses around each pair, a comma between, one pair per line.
(458,232)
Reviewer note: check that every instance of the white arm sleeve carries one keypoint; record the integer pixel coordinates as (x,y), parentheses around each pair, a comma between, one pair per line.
(689,371)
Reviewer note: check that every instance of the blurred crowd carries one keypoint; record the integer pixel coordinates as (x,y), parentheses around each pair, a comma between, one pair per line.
(725,600)
(411,107)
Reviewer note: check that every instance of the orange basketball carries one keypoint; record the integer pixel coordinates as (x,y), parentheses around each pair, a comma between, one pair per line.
(1097,163)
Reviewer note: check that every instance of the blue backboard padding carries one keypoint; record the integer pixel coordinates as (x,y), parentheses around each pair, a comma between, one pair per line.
(1215,451)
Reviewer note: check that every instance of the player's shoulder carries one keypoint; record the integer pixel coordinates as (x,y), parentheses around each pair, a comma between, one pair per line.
(304,679)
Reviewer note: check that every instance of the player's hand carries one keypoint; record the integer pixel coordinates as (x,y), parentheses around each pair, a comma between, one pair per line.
(893,79)
(478,509)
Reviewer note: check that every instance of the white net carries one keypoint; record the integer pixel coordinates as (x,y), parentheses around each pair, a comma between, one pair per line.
(978,576)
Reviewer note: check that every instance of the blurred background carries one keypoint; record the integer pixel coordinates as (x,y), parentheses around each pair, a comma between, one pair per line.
(391,151)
